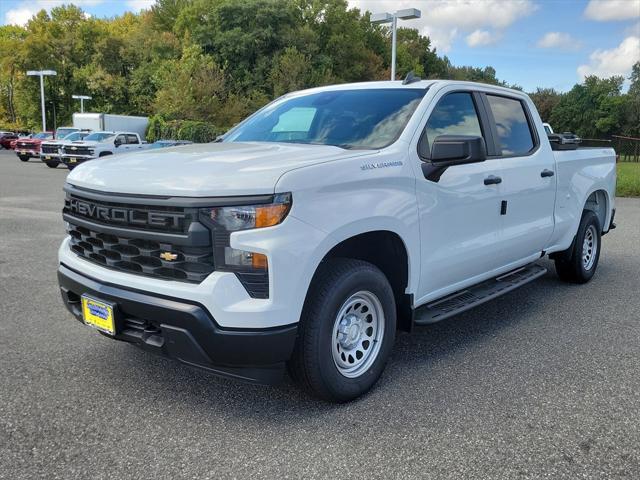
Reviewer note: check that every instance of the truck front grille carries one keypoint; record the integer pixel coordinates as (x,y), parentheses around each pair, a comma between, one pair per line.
(28,145)
(50,149)
(160,241)
(76,150)
(145,257)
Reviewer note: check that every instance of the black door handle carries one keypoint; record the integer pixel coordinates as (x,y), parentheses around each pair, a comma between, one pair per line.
(492,180)
(546,173)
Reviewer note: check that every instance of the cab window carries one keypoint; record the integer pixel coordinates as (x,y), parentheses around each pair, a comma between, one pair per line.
(514,132)
(455,114)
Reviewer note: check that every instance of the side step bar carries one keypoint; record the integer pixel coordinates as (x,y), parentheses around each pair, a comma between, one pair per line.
(463,300)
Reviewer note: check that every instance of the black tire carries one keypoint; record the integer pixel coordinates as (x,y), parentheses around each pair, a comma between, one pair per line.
(570,264)
(312,364)
(23,158)
(51,164)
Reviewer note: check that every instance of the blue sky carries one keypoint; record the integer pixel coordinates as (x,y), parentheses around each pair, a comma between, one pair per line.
(532,43)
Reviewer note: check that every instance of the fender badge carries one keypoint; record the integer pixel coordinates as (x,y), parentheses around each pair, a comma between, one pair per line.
(168,256)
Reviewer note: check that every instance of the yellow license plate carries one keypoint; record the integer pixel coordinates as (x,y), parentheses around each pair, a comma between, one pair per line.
(98,314)
(47,158)
(72,160)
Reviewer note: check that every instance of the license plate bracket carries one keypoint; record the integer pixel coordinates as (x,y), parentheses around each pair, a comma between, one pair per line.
(99,314)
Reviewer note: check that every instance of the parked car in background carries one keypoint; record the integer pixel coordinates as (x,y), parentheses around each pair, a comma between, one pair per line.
(100,144)
(27,148)
(51,151)
(169,143)
(6,138)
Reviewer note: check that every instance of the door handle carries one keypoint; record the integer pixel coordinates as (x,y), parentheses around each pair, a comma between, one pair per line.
(492,180)
(546,173)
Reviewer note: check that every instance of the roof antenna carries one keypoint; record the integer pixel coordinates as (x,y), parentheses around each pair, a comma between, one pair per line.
(410,78)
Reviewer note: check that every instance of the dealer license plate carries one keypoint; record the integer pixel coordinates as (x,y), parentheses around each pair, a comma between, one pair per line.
(98,314)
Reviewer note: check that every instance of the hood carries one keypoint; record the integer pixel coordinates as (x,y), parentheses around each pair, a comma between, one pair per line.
(83,143)
(203,170)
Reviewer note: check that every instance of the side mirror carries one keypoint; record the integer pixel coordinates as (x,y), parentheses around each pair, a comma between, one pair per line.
(448,150)
(117,142)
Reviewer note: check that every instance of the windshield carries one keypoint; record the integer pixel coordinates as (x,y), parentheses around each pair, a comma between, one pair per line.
(63,132)
(43,135)
(75,136)
(99,136)
(364,119)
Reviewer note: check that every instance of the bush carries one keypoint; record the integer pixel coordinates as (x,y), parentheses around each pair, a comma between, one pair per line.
(199,132)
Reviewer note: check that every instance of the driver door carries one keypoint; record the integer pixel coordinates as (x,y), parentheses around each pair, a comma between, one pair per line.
(460,224)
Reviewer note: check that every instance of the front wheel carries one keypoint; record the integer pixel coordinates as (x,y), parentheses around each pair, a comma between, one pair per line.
(346,332)
(51,164)
(578,265)
(23,158)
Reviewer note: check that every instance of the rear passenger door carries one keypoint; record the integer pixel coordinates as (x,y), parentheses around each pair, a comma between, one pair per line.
(133,143)
(528,178)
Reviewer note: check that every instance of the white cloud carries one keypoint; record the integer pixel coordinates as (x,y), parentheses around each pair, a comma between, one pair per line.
(18,16)
(558,40)
(479,38)
(606,10)
(137,5)
(444,20)
(616,61)
(27,9)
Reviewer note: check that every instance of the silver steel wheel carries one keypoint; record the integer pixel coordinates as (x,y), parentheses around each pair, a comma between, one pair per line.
(589,247)
(357,336)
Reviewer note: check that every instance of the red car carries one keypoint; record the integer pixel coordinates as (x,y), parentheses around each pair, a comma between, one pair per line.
(27,148)
(6,138)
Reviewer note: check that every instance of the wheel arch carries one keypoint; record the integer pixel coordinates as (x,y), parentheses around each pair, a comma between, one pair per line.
(387,250)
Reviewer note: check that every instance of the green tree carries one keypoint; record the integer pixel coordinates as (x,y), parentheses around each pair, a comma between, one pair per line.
(545,99)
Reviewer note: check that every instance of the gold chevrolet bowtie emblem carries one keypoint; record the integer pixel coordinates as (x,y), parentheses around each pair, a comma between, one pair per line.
(168,256)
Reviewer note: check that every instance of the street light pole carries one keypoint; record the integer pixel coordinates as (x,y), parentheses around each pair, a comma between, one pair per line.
(41,74)
(392,18)
(82,98)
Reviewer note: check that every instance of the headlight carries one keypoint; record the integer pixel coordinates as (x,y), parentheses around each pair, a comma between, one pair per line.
(251,268)
(246,217)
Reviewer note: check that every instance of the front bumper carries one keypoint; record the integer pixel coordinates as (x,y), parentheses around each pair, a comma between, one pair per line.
(74,160)
(27,152)
(50,157)
(185,330)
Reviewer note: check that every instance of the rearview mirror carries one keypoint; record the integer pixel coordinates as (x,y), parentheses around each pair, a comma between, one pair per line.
(450,150)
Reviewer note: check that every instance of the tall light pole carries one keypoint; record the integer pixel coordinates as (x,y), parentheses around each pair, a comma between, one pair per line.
(42,74)
(82,98)
(392,18)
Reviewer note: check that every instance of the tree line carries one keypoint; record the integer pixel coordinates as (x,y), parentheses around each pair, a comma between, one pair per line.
(200,66)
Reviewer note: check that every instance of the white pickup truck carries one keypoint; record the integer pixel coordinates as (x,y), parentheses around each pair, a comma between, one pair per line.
(324,223)
(100,144)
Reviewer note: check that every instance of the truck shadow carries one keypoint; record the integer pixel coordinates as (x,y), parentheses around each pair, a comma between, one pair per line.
(414,355)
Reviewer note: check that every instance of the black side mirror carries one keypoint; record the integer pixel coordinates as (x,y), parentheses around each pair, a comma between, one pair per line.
(450,150)
(458,150)
(117,142)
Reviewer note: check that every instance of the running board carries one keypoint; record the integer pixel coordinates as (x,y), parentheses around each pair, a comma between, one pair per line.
(482,292)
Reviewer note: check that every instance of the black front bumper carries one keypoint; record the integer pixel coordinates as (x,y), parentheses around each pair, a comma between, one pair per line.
(185,331)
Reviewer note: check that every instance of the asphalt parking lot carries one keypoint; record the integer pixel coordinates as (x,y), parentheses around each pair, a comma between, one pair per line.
(542,383)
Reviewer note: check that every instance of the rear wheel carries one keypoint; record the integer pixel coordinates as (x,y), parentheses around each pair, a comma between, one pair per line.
(579,263)
(346,331)
(51,164)
(23,158)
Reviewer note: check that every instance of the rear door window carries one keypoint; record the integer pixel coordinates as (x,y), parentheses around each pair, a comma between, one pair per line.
(514,132)
(132,139)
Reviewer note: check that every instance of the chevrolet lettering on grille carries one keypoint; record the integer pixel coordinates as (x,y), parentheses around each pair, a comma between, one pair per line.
(125,215)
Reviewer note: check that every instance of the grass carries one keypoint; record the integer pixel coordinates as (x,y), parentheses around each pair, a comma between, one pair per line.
(628,179)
